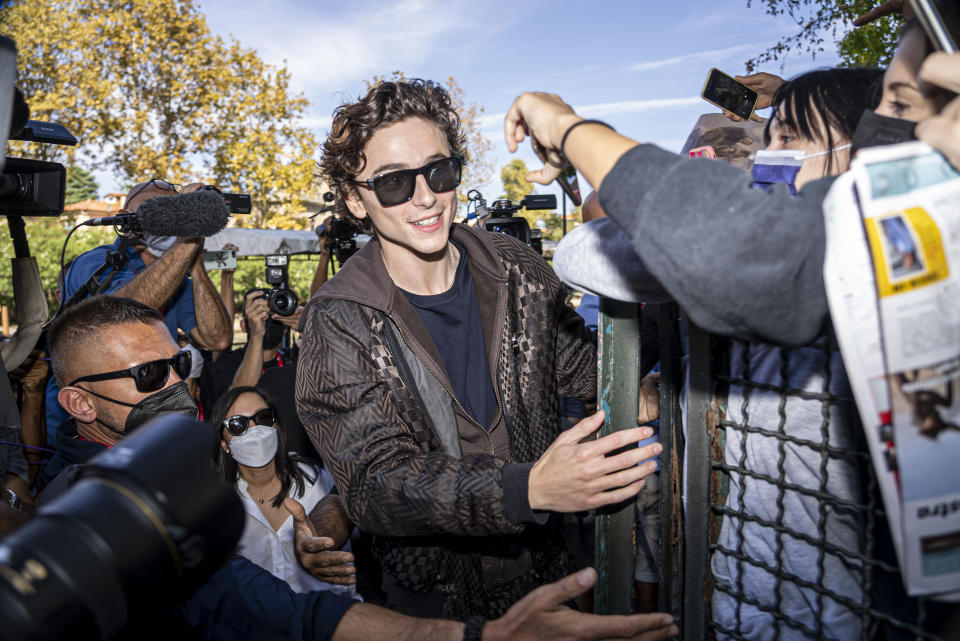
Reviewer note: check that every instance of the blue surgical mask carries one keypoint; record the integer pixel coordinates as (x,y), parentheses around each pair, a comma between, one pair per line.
(782,166)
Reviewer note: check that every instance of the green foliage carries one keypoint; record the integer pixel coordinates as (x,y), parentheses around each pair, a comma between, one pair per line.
(515,184)
(817,21)
(152,93)
(81,185)
(46,236)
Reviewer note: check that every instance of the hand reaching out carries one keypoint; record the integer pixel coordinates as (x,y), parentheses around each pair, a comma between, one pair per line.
(575,474)
(542,615)
(884,9)
(318,554)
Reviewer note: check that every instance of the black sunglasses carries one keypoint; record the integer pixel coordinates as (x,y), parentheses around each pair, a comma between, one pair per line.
(397,187)
(239,424)
(155,182)
(148,377)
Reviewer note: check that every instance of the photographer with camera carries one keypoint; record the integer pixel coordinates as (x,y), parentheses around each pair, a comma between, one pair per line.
(165,273)
(268,313)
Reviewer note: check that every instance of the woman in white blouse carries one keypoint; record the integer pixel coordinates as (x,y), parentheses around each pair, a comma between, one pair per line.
(251,452)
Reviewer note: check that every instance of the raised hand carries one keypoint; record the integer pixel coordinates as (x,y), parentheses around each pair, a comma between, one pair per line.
(318,554)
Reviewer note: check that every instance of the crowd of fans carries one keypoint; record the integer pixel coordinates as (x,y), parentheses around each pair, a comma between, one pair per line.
(405,466)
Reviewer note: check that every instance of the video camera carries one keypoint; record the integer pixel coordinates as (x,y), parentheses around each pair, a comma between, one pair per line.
(501,214)
(341,238)
(281,298)
(141,527)
(33,187)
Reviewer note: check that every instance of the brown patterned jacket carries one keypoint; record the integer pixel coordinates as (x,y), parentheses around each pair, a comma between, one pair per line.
(453,527)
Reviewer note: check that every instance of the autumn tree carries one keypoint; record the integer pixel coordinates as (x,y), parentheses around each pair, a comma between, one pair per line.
(152,93)
(820,22)
(478,166)
(81,185)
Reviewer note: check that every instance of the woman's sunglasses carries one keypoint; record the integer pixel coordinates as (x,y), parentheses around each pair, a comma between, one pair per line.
(397,187)
(239,424)
(148,377)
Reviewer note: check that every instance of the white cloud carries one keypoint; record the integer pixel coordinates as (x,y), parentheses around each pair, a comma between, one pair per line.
(327,51)
(693,57)
(633,106)
(494,122)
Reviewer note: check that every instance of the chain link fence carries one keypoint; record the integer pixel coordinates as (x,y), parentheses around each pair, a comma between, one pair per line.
(772,523)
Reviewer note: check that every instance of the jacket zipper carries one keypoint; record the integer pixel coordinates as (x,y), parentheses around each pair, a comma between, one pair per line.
(446,389)
(501,406)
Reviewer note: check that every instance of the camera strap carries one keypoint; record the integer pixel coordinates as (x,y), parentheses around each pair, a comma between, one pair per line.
(113,263)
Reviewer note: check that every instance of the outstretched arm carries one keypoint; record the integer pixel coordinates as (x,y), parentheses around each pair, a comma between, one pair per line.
(539,615)
(155,285)
(214,328)
(255,313)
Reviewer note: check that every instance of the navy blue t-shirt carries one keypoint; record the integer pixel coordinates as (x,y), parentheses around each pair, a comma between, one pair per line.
(453,321)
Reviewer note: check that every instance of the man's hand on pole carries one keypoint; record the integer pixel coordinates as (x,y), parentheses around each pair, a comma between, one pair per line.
(575,474)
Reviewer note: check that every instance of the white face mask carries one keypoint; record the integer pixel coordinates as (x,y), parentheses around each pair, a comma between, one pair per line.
(782,166)
(256,447)
(158,245)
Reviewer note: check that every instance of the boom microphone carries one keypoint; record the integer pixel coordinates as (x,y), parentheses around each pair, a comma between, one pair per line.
(199,213)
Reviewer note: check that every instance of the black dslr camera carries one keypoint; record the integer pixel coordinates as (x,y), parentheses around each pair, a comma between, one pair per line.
(501,214)
(281,298)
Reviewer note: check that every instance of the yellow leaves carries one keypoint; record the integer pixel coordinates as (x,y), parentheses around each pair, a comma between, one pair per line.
(150,92)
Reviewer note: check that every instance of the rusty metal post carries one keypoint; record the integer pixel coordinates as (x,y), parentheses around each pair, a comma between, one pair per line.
(619,373)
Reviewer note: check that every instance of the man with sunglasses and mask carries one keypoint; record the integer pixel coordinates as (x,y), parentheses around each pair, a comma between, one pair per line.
(120,368)
(165,273)
(430,373)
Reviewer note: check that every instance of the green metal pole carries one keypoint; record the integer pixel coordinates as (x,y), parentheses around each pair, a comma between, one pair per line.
(619,373)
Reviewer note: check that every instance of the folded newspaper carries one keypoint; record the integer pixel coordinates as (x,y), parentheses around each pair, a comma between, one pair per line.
(892,274)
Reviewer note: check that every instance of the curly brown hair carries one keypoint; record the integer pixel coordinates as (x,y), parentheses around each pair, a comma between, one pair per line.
(386,103)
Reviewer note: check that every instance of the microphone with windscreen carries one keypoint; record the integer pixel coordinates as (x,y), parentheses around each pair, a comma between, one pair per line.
(199,213)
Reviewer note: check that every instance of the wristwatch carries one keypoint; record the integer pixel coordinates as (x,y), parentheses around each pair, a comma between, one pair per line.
(15,502)
(473,628)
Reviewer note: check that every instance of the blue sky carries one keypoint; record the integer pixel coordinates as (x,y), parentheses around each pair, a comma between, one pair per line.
(637,64)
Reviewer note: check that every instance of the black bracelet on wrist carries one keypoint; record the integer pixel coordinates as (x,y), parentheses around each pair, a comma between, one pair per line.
(563,141)
(473,628)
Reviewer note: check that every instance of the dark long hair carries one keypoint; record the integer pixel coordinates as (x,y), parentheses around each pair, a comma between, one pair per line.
(835,97)
(285,463)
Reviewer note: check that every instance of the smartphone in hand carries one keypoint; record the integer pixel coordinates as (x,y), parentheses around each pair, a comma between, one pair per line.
(223,259)
(568,175)
(725,92)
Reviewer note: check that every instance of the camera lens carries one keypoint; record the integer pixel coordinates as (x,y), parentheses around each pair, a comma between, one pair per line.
(144,526)
(283,302)
(15,186)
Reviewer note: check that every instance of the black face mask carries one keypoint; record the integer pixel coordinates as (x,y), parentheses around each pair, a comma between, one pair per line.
(273,334)
(876,131)
(175,399)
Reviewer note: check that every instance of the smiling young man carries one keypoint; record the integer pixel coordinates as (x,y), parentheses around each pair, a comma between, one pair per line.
(430,371)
